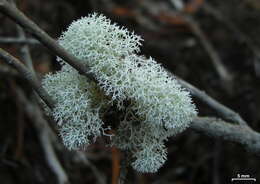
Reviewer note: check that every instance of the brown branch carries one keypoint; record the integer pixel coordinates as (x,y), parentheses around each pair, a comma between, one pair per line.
(32,81)
(17,16)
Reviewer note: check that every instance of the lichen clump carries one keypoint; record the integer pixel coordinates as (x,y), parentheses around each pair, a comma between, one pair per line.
(153,104)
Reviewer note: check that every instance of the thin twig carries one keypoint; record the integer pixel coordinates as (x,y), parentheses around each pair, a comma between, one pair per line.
(17,16)
(227,131)
(123,179)
(19,41)
(25,52)
(123,174)
(239,34)
(188,20)
(215,58)
(82,158)
(5,70)
(41,124)
(44,136)
(231,26)
(11,60)
(223,111)
(20,122)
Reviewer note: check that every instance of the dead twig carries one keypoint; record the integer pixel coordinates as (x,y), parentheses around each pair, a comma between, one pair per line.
(227,131)
(32,81)
(41,125)
(179,16)
(222,110)
(16,15)
(81,157)
(8,71)
(223,73)
(125,164)
(19,122)
(44,137)
(19,41)
(238,33)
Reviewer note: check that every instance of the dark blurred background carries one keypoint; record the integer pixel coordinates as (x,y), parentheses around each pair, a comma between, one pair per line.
(212,44)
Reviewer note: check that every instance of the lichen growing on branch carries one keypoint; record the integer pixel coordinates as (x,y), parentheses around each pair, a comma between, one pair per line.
(157,106)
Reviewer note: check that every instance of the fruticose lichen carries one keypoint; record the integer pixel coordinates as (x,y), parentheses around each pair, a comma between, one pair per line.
(153,104)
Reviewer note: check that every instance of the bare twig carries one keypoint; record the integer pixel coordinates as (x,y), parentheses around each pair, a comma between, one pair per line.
(39,123)
(123,174)
(51,157)
(17,16)
(215,58)
(123,179)
(44,136)
(19,41)
(230,25)
(223,111)
(82,158)
(188,20)
(209,48)
(25,52)
(224,130)
(8,71)
(20,122)
(239,34)
(11,60)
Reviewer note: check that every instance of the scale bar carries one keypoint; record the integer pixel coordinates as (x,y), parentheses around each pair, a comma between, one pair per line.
(241,179)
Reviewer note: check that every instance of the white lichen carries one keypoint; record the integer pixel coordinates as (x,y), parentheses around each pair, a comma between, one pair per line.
(110,51)
(146,143)
(150,159)
(155,106)
(77,110)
